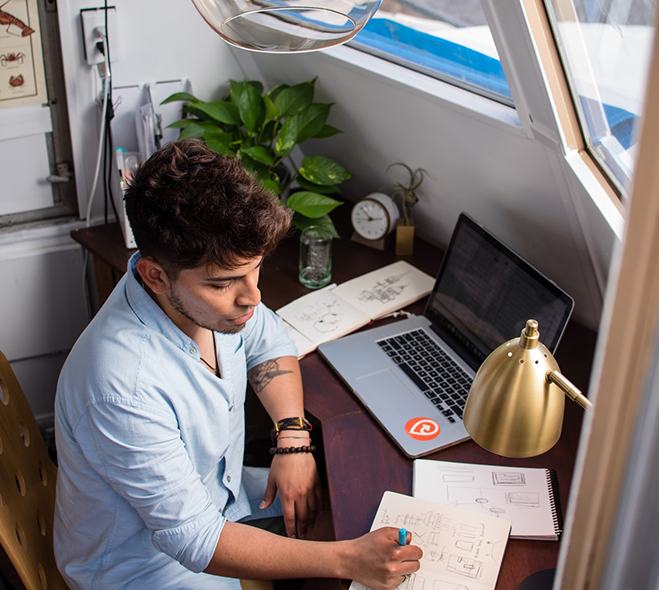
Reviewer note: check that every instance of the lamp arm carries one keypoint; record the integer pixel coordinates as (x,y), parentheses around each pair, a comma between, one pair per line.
(573,392)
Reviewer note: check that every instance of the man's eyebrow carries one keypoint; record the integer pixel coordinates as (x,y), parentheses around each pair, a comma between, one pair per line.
(231,277)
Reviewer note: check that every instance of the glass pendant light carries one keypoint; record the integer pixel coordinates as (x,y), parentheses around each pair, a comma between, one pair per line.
(285,26)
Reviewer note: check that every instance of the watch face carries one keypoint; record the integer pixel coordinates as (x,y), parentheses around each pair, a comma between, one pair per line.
(370,219)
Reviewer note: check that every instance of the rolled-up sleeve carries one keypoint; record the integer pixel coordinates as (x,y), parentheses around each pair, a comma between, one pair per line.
(139,452)
(266,338)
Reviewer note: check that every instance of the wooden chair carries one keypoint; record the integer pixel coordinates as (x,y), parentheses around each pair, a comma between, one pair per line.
(27,489)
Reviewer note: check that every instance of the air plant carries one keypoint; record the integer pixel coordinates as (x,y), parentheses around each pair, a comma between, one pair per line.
(406,192)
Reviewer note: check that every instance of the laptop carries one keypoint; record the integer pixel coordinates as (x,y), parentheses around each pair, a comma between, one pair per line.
(414,375)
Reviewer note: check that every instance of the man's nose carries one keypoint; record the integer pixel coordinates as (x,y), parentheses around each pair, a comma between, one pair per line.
(250,294)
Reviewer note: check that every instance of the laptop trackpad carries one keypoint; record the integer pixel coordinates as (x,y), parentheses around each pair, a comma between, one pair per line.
(376,390)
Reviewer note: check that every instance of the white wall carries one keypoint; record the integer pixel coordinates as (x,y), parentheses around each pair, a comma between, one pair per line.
(43,310)
(156,41)
(41,293)
(481,160)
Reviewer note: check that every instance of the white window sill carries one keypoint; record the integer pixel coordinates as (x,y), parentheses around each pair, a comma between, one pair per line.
(452,96)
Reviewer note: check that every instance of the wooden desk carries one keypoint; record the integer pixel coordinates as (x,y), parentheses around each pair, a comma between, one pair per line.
(360,460)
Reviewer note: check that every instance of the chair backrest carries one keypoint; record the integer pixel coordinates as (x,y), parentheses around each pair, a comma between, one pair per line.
(27,489)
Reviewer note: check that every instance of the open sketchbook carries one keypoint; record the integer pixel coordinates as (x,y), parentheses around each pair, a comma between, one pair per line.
(526,496)
(333,312)
(461,549)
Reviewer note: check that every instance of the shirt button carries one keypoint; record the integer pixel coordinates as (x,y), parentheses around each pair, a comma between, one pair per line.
(193,350)
(229,478)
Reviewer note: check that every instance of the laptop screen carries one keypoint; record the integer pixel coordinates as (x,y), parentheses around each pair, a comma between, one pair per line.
(485,292)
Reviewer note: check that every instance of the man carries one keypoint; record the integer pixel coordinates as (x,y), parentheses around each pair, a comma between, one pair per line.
(149,411)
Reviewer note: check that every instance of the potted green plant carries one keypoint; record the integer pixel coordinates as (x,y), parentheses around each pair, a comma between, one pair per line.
(262,128)
(405,194)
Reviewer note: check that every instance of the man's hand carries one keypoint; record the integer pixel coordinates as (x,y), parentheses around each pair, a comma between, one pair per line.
(296,477)
(380,562)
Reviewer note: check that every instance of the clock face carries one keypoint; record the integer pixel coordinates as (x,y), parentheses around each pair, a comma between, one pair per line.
(370,219)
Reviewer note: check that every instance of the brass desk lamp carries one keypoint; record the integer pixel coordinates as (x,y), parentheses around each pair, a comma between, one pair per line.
(516,402)
(515,407)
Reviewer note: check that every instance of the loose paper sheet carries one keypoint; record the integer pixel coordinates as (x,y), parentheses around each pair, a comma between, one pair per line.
(461,549)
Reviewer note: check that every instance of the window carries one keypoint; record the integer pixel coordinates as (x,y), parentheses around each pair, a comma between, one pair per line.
(445,39)
(605,46)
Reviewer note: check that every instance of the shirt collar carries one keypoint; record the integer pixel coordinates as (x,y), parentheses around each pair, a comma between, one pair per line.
(151,314)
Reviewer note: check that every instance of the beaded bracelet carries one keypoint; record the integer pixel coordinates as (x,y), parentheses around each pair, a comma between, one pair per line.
(298,423)
(288,450)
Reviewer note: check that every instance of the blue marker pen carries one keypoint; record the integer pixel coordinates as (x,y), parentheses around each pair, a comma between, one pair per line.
(402,537)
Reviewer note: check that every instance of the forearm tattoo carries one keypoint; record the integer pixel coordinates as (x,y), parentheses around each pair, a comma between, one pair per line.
(262,375)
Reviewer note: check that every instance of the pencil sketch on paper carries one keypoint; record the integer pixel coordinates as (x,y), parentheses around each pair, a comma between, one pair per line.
(508,478)
(461,550)
(324,315)
(385,290)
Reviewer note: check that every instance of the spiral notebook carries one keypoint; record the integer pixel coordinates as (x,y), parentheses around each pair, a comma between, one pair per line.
(526,496)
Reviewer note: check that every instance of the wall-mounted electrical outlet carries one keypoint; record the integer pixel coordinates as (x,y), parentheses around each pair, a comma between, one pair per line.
(93,25)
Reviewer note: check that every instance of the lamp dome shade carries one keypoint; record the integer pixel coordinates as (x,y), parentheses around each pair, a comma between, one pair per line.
(283,26)
(512,409)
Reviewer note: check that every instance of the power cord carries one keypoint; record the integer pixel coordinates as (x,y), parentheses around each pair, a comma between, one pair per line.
(101,138)
(104,73)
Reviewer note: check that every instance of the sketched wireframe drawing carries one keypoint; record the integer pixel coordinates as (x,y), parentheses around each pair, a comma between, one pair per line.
(462,550)
(523,495)
(385,290)
(508,478)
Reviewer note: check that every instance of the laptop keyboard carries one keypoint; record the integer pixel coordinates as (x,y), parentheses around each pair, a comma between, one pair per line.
(442,381)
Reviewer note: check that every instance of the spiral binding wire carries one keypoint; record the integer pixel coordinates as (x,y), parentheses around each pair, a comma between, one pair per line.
(554,501)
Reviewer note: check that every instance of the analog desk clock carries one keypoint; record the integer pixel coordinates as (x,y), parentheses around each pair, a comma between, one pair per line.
(373,219)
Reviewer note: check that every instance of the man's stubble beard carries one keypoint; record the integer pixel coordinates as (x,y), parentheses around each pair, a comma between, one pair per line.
(177,304)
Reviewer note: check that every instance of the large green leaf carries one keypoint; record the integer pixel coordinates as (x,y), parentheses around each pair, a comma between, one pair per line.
(327,131)
(260,154)
(207,125)
(294,99)
(302,222)
(180,96)
(271,185)
(269,132)
(287,137)
(316,188)
(312,205)
(323,171)
(181,123)
(219,141)
(271,109)
(311,120)
(191,130)
(222,111)
(276,90)
(252,109)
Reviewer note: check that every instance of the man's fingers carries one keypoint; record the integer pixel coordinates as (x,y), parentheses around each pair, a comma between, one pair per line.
(302,518)
(288,511)
(268,495)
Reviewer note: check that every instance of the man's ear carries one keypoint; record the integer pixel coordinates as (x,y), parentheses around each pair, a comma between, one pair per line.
(153,275)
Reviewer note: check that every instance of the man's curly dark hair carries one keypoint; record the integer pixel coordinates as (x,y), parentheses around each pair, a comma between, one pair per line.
(189,206)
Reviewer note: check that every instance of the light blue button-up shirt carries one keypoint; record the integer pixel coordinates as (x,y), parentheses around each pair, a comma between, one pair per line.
(150,445)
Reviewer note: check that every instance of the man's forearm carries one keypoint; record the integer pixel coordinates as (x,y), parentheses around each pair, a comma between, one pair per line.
(278,384)
(248,552)
(375,559)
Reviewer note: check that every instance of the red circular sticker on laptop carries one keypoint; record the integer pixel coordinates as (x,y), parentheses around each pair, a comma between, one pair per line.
(422,428)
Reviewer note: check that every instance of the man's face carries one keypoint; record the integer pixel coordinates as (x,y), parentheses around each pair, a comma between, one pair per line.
(217,299)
